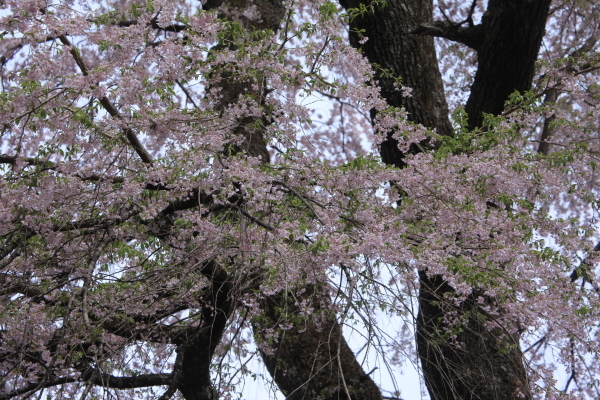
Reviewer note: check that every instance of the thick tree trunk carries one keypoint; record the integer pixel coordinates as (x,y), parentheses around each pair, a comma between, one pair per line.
(194,356)
(488,364)
(479,364)
(311,359)
(512,35)
(407,56)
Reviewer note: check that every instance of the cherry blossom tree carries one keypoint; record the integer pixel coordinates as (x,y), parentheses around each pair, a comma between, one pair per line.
(185,186)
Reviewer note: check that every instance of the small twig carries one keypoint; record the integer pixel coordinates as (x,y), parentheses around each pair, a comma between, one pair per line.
(538,343)
(187,94)
(39,105)
(452,23)
(168,394)
(254,219)
(469,19)
(302,199)
(87,281)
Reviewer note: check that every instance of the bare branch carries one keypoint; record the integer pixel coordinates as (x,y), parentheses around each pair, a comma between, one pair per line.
(471,11)
(255,220)
(98,378)
(471,36)
(153,23)
(45,383)
(168,394)
(186,92)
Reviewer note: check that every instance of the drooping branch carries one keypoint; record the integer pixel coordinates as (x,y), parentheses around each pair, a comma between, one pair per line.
(130,325)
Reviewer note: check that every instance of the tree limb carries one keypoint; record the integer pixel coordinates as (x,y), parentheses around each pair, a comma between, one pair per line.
(98,378)
(471,36)
(46,383)
(552,93)
(108,106)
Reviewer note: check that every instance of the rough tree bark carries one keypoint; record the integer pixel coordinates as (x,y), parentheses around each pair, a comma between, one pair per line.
(194,355)
(312,360)
(511,37)
(481,364)
(409,57)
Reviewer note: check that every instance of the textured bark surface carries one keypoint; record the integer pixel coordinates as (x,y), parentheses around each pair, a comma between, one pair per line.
(488,364)
(312,360)
(512,35)
(476,364)
(194,356)
(411,57)
(479,364)
(231,87)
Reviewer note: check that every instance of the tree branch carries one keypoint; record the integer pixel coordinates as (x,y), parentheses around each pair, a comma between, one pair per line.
(108,106)
(94,222)
(12,160)
(155,333)
(552,93)
(153,23)
(98,378)
(54,166)
(168,394)
(471,36)
(46,383)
